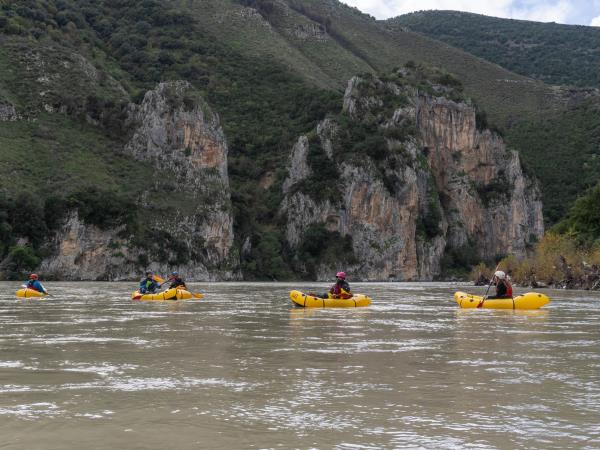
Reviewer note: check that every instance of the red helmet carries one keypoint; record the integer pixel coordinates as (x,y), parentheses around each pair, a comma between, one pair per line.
(33,276)
(341,275)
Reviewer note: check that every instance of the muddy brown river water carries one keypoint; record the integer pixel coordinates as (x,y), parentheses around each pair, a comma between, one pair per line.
(90,369)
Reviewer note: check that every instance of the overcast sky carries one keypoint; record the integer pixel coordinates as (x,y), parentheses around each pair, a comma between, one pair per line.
(583,12)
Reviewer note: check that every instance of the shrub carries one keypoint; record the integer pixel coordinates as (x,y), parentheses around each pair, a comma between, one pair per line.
(496,191)
(22,259)
(449,80)
(480,273)
(267,257)
(104,209)
(321,246)
(584,216)
(459,261)
(323,182)
(428,225)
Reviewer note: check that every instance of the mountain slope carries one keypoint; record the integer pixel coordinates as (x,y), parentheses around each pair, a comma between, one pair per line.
(78,70)
(76,74)
(554,146)
(327,42)
(550,52)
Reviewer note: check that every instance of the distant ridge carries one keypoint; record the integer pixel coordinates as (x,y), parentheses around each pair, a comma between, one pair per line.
(550,52)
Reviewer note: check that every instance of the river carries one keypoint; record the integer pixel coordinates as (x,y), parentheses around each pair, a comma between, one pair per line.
(90,369)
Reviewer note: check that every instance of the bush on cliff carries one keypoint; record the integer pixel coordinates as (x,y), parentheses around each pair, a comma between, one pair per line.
(321,247)
(266,257)
(21,259)
(583,220)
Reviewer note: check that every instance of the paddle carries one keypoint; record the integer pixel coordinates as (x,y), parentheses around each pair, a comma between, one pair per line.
(488,288)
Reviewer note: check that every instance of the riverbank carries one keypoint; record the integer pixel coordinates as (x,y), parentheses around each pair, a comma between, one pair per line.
(558,261)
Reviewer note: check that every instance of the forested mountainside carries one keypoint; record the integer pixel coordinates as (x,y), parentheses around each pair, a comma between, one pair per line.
(550,52)
(407,184)
(139,134)
(553,146)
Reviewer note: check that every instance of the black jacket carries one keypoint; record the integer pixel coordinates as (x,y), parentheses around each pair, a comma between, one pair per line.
(177,282)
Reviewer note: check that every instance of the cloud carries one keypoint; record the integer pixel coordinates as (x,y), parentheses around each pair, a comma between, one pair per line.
(541,11)
(595,22)
(389,8)
(538,10)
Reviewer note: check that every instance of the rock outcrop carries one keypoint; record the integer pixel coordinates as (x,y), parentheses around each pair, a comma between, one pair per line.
(8,113)
(488,200)
(177,133)
(180,135)
(428,185)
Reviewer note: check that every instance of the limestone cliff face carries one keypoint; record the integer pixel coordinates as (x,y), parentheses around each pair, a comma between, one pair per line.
(181,136)
(86,252)
(178,134)
(383,225)
(487,198)
(8,113)
(435,184)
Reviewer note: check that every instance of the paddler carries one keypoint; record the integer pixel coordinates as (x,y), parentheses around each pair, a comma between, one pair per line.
(35,285)
(148,285)
(176,281)
(341,288)
(503,287)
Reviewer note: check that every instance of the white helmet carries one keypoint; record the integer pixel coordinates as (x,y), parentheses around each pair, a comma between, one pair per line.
(500,275)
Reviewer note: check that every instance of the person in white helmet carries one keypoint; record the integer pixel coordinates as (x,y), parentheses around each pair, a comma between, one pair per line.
(503,286)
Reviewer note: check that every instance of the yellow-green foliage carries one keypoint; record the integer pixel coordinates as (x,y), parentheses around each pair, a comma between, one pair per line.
(556,258)
(481,272)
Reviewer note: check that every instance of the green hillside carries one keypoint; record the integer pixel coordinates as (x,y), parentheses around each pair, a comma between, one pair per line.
(271,68)
(550,52)
(563,153)
(554,146)
(327,42)
(70,68)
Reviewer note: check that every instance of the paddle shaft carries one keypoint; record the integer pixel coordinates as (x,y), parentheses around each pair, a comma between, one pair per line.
(488,288)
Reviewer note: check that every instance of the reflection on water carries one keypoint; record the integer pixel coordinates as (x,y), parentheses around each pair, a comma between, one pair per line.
(89,368)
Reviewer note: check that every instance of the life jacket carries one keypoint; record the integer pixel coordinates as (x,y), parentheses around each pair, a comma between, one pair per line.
(148,285)
(177,283)
(340,291)
(508,289)
(31,285)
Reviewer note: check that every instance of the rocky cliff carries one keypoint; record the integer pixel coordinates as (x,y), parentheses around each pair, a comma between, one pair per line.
(487,198)
(405,176)
(174,131)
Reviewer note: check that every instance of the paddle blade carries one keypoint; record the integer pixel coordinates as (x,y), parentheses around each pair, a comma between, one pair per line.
(158,279)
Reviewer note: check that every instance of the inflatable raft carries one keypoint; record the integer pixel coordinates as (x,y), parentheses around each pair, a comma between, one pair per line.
(171,294)
(309,301)
(531,300)
(30,293)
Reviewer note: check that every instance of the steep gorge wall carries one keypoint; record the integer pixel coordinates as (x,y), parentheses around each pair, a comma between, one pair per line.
(424,183)
(444,186)
(487,198)
(180,136)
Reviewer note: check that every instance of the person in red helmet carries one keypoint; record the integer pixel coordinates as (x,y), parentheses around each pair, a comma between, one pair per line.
(341,288)
(35,285)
